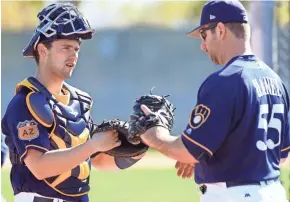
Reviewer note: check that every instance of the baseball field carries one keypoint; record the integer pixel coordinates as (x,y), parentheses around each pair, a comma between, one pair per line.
(151,180)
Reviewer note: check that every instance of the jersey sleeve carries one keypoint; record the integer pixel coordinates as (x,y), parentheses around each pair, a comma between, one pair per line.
(25,132)
(286,140)
(210,120)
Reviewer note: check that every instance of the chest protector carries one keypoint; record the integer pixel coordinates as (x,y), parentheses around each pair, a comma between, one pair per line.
(68,126)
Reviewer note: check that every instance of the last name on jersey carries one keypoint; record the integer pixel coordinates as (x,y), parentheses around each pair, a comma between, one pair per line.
(267,86)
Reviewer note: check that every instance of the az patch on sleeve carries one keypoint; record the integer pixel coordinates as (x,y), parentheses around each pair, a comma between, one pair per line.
(27,130)
(198,116)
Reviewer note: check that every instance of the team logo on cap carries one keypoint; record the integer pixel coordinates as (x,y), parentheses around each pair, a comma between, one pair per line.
(199,115)
(27,130)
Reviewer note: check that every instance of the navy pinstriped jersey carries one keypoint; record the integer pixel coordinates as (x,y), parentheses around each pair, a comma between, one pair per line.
(239,129)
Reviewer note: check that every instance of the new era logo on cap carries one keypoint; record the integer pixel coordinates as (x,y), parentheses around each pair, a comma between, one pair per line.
(211,17)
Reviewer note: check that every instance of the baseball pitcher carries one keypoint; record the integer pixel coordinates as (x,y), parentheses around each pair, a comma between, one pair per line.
(238,132)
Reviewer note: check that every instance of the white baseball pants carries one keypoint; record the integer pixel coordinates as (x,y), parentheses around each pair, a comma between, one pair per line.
(270,192)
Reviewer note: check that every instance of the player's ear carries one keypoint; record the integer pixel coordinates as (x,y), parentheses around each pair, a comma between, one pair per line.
(221,30)
(42,50)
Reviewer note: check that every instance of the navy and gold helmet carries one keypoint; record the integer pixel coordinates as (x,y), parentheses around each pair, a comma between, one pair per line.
(59,21)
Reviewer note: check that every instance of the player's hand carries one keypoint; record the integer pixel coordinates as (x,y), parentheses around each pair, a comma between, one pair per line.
(105,141)
(184,170)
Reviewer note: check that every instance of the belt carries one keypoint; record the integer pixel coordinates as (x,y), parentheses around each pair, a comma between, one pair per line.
(203,188)
(41,199)
(265,182)
(234,184)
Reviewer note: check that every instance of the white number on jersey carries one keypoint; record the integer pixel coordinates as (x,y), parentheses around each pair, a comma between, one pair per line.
(273,123)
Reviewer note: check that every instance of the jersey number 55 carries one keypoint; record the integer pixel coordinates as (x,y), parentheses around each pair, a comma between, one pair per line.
(274,123)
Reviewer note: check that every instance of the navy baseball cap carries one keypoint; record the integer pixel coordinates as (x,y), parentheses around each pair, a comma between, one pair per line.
(221,11)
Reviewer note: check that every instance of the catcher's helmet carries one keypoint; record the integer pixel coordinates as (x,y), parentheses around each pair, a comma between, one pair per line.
(59,21)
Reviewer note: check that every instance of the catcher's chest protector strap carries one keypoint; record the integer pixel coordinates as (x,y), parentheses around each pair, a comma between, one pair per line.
(67,126)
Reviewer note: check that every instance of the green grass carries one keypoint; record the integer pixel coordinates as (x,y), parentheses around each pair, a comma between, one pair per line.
(131,186)
(136,186)
(285,177)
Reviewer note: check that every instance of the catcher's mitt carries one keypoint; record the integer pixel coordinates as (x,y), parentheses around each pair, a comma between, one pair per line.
(163,115)
(126,149)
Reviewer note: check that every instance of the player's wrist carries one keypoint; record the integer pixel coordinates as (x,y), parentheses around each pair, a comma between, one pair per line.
(155,137)
(92,147)
(149,137)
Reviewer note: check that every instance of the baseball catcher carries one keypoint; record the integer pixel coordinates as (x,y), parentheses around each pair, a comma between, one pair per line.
(48,122)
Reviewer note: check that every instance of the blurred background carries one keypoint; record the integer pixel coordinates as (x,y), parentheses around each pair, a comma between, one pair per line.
(138,45)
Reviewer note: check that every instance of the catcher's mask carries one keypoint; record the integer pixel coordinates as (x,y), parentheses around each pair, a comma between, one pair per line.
(59,21)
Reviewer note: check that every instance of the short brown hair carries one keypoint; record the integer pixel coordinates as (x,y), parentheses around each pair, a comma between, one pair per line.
(240,30)
(35,52)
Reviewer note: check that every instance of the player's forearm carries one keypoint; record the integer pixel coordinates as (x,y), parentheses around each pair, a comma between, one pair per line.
(170,146)
(176,151)
(52,163)
(104,162)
